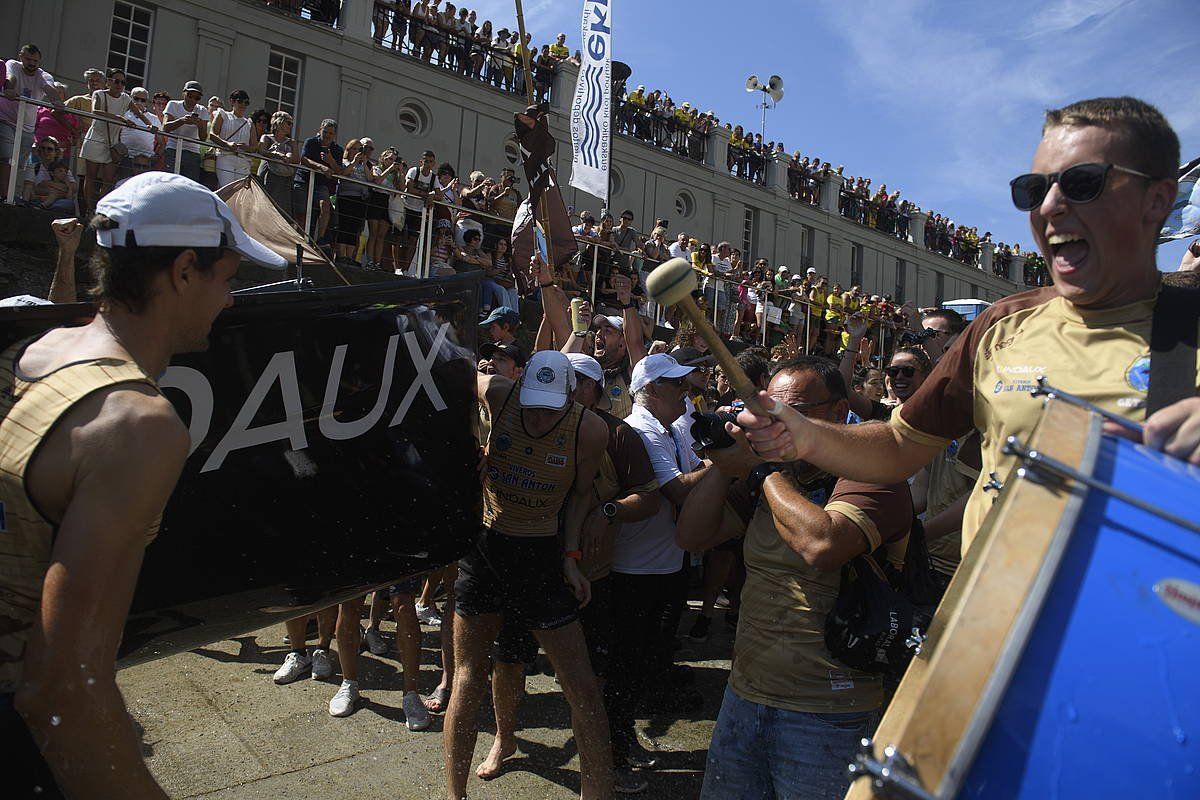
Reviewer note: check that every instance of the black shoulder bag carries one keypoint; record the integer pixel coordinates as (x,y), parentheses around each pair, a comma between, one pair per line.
(1173,340)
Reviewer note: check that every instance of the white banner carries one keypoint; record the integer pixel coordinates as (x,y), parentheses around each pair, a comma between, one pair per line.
(591,110)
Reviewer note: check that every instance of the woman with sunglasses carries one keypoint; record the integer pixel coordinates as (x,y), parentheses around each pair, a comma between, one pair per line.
(233,132)
(908,369)
(102,143)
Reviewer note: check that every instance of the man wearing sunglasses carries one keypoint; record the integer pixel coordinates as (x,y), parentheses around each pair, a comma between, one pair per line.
(1102,185)
(792,717)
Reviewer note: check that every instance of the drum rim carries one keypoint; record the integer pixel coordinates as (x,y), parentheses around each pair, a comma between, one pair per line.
(967,749)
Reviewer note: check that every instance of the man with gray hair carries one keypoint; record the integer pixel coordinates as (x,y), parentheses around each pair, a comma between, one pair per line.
(323,158)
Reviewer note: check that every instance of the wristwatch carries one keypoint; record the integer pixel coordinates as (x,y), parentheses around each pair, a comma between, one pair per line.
(754,480)
(610,510)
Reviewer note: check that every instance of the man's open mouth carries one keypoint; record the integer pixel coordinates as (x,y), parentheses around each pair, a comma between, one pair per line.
(1070,251)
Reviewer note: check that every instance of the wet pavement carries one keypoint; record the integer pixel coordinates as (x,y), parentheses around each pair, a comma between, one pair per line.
(214,725)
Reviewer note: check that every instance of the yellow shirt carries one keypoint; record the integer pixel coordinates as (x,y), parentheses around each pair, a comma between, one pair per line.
(833,312)
(559,50)
(984,380)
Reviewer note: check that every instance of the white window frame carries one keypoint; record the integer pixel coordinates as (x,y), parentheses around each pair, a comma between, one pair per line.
(275,89)
(124,67)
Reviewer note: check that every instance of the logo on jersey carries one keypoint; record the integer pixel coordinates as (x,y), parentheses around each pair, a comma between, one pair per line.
(615,390)
(545,375)
(1138,374)
(556,460)
(503,442)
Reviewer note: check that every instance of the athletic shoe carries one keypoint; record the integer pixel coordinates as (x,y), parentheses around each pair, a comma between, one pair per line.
(699,631)
(375,642)
(322,664)
(640,757)
(294,666)
(626,781)
(428,615)
(416,716)
(345,701)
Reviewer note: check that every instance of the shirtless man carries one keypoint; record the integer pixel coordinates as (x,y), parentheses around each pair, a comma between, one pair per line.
(543,455)
(91,452)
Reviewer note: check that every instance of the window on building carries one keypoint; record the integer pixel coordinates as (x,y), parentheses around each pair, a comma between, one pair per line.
(129,41)
(685,205)
(901,271)
(748,236)
(939,288)
(809,245)
(283,83)
(856,264)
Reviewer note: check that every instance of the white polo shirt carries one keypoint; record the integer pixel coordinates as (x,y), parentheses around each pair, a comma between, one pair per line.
(648,547)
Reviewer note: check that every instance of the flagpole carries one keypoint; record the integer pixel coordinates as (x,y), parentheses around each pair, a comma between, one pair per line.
(529,96)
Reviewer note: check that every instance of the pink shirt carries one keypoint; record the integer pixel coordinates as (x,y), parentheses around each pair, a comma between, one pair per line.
(47,125)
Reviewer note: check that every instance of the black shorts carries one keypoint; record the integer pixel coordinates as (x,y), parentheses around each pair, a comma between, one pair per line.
(411,585)
(377,205)
(520,577)
(412,222)
(27,773)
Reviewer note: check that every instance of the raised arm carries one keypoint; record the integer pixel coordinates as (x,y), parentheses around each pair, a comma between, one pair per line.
(856,326)
(593,439)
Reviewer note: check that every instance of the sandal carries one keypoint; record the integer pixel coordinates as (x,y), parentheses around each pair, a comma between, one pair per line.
(438,701)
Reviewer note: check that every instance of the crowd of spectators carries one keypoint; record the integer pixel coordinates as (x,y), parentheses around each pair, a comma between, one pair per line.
(871,351)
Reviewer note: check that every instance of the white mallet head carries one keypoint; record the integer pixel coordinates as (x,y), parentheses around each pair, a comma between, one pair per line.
(671,281)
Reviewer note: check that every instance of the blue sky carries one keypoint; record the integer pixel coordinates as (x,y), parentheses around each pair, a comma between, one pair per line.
(940,100)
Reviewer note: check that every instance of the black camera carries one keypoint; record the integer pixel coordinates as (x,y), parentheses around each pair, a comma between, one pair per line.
(708,429)
(915,337)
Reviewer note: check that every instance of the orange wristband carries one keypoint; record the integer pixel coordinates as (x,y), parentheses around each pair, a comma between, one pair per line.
(575,554)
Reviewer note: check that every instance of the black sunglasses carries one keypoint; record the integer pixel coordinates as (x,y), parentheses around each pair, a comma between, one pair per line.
(1081,183)
(671,381)
(907,372)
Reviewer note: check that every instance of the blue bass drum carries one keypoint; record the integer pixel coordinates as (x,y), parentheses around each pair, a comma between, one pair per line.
(1092,684)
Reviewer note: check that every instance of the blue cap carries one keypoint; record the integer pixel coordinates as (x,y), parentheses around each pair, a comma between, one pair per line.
(502,314)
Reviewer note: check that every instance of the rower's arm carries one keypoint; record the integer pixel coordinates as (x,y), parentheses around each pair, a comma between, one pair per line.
(129,458)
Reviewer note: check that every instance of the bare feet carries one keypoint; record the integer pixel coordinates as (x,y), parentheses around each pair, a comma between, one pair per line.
(493,765)
(439,701)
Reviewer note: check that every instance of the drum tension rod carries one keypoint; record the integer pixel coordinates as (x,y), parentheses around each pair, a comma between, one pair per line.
(893,778)
(1046,390)
(1037,465)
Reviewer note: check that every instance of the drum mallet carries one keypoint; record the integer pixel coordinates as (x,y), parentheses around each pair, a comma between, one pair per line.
(672,284)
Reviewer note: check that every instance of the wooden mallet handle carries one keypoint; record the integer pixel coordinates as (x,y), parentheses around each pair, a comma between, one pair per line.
(671,284)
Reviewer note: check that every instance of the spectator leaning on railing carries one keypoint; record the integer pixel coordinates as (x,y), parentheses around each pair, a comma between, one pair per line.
(23,78)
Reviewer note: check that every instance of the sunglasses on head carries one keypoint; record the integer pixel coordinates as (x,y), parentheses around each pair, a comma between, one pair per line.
(893,372)
(1081,183)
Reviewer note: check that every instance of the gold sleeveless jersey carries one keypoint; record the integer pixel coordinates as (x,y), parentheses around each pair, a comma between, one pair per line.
(616,384)
(29,410)
(528,477)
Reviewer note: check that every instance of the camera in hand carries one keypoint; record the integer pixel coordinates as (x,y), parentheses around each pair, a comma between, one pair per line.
(708,429)
(917,337)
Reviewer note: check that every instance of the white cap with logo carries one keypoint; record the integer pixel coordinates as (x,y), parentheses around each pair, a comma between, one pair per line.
(651,368)
(159,209)
(548,380)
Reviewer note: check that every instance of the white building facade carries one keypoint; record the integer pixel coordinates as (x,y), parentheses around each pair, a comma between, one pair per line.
(317,71)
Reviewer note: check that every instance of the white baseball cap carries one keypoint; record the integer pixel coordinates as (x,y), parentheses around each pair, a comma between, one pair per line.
(587,366)
(812,270)
(548,380)
(651,368)
(159,209)
(616,322)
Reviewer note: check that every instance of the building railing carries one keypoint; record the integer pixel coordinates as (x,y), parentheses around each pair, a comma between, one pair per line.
(664,131)
(323,12)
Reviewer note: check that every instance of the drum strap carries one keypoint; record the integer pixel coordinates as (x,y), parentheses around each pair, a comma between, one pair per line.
(1173,339)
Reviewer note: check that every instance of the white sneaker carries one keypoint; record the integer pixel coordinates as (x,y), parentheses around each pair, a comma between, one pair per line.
(416,716)
(345,701)
(294,666)
(375,642)
(428,615)
(322,664)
